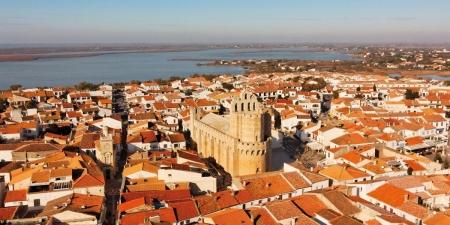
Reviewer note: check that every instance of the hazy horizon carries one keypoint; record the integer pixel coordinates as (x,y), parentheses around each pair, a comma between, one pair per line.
(224,22)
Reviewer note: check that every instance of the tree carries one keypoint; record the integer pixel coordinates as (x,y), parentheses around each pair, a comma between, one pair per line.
(174,78)
(15,87)
(3,105)
(409,171)
(295,79)
(82,86)
(188,92)
(190,143)
(2,140)
(222,109)
(358,89)
(359,96)
(31,104)
(411,95)
(227,86)
(335,94)
(311,83)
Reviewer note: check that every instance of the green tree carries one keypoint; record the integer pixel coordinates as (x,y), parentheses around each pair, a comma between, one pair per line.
(15,87)
(335,94)
(86,86)
(222,109)
(295,79)
(174,78)
(310,84)
(3,105)
(2,140)
(227,86)
(410,171)
(188,92)
(411,95)
(31,104)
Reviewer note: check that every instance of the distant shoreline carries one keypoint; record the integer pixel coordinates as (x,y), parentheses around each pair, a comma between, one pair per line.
(37,56)
(20,54)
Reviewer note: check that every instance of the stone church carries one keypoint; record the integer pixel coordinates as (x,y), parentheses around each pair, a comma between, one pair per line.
(106,153)
(240,141)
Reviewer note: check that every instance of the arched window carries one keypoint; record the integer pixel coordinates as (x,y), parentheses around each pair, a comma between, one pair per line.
(242,107)
(249,106)
(254,106)
(235,107)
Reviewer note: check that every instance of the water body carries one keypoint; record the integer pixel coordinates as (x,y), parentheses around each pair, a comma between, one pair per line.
(434,77)
(111,68)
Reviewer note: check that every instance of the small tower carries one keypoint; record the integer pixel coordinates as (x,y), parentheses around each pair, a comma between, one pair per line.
(250,126)
(246,118)
(106,154)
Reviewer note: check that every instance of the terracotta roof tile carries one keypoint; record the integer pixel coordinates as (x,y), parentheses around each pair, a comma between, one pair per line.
(310,204)
(224,217)
(390,195)
(296,180)
(262,217)
(225,199)
(282,210)
(439,218)
(8,213)
(341,202)
(267,185)
(16,195)
(185,209)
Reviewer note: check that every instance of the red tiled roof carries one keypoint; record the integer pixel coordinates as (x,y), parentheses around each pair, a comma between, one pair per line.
(184,209)
(16,195)
(225,199)
(310,204)
(231,216)
(125,206)
(166,215)
(7,213)
(87,180)
(414,165)
(390,195)
(282,210)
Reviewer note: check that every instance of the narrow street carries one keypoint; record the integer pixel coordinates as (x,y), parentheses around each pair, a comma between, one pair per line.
(113,185)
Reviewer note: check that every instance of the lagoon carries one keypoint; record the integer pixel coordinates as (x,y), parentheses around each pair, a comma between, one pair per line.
(120,67)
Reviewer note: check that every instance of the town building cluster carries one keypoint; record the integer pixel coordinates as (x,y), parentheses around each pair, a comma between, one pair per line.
(405,58)
(266,149)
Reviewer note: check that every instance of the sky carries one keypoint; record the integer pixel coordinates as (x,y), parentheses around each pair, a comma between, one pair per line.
(224,21)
